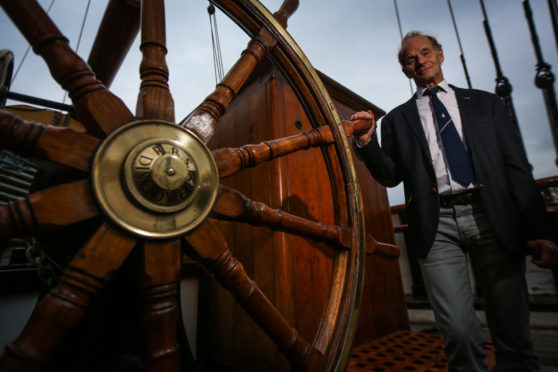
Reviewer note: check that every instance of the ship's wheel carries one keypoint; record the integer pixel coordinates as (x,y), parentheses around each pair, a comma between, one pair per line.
(154,185)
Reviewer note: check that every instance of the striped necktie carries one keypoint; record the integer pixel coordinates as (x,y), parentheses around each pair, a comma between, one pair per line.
(456,153)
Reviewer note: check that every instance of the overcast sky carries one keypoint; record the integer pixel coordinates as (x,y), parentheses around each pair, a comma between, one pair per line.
(354,42)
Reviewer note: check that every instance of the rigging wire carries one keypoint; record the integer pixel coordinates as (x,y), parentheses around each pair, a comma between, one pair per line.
(553,8)
(503,86)
(28,48)
(79,37)
(462,56)
(398,19)
(83,25)
(401,36)
(217,58)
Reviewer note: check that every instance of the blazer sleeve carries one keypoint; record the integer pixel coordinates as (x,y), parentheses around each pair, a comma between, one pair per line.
(382,161)
(521,182)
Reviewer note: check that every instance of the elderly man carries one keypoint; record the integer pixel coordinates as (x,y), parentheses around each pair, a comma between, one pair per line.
(469,195)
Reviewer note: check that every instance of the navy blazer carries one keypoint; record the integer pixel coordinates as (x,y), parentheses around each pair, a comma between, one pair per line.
(509,194)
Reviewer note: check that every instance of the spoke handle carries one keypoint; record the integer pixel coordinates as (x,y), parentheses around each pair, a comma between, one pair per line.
(64,306)
(232,160)
(231,275)
(16,220)
(374,247)
(203,120)
(356,126)
(55,314)
(98,109)
(286,10)
(17,136)
(232,205)
(154,99)
(209,248)
(48,209)
(62,145)
(160,277)
(118,30)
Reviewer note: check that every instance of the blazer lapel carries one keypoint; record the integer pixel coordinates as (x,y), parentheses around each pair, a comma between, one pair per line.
(410,111)
(464,100)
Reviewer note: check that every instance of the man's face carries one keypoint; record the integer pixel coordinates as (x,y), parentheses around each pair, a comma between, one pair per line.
(423,63)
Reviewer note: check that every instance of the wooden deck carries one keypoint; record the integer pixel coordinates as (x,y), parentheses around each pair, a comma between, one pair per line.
(544,333)
(406,351)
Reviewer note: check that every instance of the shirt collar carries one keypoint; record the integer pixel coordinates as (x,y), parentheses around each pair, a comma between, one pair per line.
(442,84)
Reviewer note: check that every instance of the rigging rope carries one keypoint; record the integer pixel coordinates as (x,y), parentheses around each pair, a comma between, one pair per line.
(217,59)
(503,86)
(462,56)
(28,48)
(83,25)
(79,37)
(553,8)
(401,36)
(398,19)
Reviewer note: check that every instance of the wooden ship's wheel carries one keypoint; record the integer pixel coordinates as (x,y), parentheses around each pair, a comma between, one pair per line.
(153,186)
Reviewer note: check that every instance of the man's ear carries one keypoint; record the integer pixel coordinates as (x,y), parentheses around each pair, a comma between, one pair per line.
(441,54)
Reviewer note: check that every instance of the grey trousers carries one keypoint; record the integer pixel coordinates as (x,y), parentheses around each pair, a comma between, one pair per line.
(464,233)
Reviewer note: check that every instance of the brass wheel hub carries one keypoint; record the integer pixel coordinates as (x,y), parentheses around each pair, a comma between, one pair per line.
(155,179)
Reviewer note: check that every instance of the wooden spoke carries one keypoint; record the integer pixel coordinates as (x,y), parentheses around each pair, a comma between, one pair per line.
(203,120)
(98,109)
(160,276)
(64,306)
(118,29)
(47,210)
(104,253)
(232,160)
(381,249)
(286,10)
(154,100)
(212,251)
(232,205)
(61,145)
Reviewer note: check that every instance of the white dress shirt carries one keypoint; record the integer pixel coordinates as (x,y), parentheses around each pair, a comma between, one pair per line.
(446,185)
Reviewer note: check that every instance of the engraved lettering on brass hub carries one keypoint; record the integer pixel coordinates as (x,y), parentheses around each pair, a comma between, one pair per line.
(161,176)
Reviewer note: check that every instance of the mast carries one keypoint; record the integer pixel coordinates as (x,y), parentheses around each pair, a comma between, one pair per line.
(553,8)
(544,78)
(503,86)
